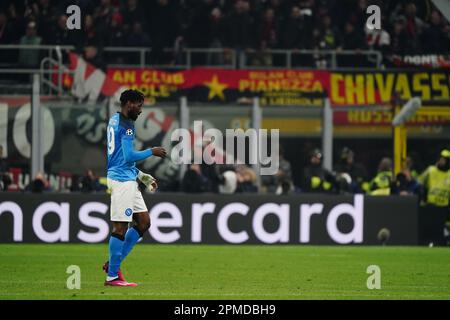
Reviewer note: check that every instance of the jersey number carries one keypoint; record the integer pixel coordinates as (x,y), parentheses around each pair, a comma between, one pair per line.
(111,142)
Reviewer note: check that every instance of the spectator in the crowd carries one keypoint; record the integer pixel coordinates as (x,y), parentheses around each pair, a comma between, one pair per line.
(413,28)
(261,56)
(116,32)
(132,12)
(329,35)
(240,26)
(405,184)
(194,181)
(246,180)
(216,39)
(398,39)
(411,166)
(268,29)
(39,184)
(284,174)
(355,171)
(6,37)
(5,179)
(46,20)
(198,29)
(280,182)
(116,38)
(6,32)
(298,30)
(165,29)
(436,183)
(16,20)
(379,39)
(434,37)
(316,178)
(325,37)
(92,55)
(267,38)
(213,174)
(381,183)
(90,183)
(137,37)
(352,38)
(30,58)
(61,34)
(90,33)
(102,17)
(76,183)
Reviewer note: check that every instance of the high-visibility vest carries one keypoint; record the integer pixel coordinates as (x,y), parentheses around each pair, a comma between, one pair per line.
(437,183)
(381,184)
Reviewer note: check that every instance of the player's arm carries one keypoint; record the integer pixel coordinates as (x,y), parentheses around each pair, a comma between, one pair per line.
(131,155)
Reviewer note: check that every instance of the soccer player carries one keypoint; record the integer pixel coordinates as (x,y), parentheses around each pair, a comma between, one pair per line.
(127,204)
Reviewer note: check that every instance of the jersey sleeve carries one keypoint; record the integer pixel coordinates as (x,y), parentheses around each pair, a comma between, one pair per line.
(129,154)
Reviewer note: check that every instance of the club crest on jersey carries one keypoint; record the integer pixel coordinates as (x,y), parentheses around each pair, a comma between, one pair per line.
(129,132)
(128,212)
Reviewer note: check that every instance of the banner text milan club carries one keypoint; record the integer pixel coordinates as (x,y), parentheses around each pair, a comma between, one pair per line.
(274,87)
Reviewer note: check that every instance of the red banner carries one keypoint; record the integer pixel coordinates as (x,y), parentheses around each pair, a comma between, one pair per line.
(274,87)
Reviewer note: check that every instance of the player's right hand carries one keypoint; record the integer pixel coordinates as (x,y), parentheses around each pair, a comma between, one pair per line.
(159,152)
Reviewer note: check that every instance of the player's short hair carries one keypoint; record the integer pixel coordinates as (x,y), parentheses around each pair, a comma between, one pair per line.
(132,96)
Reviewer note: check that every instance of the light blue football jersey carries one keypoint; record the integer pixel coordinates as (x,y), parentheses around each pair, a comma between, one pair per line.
(121,155)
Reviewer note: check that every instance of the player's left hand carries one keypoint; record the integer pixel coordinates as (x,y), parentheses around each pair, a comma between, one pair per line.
(148,180)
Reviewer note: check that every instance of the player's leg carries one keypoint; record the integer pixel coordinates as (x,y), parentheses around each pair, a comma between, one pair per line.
(116,243)
(122,199)
(141,224)
(141,221)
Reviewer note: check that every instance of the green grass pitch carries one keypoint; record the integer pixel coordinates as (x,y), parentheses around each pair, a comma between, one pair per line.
(227,272)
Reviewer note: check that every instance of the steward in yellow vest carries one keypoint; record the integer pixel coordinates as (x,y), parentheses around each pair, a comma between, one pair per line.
(381,184)
(436,181)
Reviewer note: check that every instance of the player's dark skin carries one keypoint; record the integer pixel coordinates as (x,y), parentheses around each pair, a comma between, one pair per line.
(132,110)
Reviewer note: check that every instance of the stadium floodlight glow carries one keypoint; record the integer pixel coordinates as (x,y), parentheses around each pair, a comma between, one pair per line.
(407,111)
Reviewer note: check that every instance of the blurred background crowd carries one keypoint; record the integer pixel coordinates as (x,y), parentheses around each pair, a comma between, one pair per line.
(408,26)
(349,176)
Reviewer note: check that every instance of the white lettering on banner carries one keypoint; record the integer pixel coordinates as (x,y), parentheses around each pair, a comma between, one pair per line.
(306,211)
(198,210)
(93,222)
(4,128)
(282,213)
(167,221)
(222,222)
(60,234)
(20,130)
(356,211)
(175,221)
(14,209)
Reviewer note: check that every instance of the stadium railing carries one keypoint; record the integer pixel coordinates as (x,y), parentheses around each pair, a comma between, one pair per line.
(185,58)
